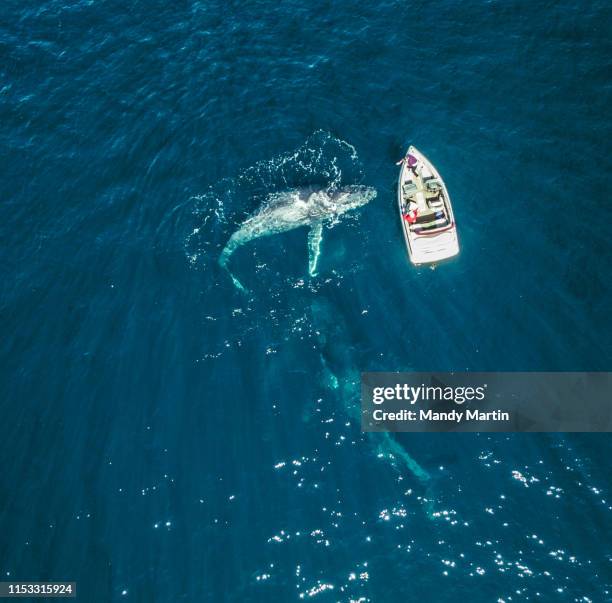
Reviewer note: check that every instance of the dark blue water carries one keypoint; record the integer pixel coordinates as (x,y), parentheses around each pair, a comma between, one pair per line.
(165,437)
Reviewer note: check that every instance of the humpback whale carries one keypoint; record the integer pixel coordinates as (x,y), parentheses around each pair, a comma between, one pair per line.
(294,208)
(341,375)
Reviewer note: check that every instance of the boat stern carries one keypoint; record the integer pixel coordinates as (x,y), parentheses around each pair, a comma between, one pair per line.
(434,248)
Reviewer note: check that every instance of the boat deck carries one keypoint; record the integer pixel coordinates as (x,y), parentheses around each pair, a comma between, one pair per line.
(431,206)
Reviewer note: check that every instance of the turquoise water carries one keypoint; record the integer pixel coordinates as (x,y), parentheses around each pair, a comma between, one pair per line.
(166,437)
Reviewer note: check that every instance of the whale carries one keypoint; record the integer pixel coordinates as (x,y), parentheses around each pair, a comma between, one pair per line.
(295,208)
(341,375)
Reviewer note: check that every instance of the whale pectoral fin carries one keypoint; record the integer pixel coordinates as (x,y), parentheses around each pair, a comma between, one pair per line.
(224,263)
(315,236)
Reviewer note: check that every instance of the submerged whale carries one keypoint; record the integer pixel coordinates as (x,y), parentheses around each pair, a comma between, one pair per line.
(292,209)
(341,375)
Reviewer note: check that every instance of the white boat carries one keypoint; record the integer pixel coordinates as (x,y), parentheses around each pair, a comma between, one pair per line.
(425,211)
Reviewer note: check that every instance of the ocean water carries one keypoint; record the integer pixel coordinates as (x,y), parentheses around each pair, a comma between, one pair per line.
(167,437)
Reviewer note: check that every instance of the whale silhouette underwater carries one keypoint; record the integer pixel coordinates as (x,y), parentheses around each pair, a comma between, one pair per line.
(342,375)
(295,208)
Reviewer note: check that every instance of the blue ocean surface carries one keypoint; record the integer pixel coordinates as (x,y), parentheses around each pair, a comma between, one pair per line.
(166,437)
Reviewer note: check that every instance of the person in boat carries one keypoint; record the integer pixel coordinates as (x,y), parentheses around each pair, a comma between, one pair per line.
(411,161)
(411,212)
(411,216)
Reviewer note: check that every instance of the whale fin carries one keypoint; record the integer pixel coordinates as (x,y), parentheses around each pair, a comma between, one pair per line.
(224,263)
(315,236)
(391,448)
(237,283)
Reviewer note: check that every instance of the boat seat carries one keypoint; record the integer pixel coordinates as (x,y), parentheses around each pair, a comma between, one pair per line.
(426,216)
(428,225)
(433,184)
(409,189)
